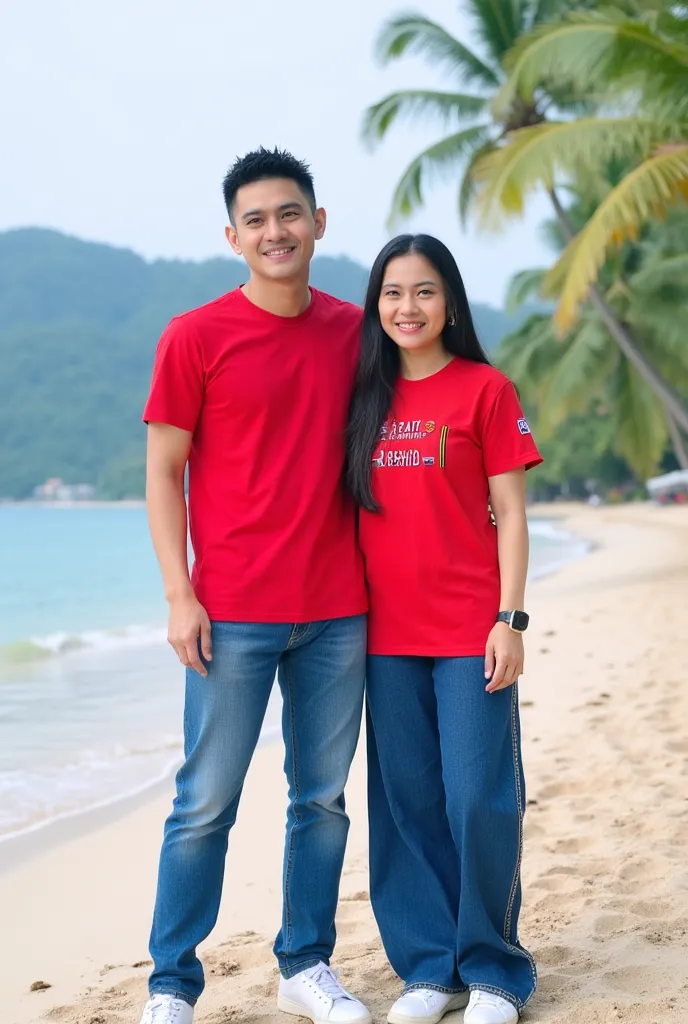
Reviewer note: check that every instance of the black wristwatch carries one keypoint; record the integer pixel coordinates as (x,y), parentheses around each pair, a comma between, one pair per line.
(518,621)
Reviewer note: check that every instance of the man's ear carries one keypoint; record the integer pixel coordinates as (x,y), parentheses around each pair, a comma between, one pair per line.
(232,238)
(320,218)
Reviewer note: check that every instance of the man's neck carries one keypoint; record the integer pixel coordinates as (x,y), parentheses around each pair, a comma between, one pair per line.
(283,298)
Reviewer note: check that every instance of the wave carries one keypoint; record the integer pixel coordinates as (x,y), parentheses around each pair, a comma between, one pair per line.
(20,652)
(556,549)
(31,800)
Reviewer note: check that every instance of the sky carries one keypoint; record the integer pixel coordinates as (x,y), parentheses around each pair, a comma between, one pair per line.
(119,119)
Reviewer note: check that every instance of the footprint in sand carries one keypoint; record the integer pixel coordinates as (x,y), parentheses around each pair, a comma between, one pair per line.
(637,980)
(567,788)
(651,908)
(555,956)
(642,869)
(613,924)
(557,883)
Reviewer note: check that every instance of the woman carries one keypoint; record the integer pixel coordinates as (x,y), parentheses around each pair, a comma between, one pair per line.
(437,438)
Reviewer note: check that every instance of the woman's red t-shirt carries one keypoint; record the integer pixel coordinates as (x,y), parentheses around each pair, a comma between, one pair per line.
(431,553)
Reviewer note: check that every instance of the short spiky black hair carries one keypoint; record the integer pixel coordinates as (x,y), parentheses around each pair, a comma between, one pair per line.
(265,163)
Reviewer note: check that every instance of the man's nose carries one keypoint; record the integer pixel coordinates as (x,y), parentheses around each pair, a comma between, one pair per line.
(275,229)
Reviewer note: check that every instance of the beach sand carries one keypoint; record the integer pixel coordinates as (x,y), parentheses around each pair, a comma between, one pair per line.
(605,722)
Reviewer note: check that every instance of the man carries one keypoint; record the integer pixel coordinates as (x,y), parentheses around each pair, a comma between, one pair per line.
(252,391)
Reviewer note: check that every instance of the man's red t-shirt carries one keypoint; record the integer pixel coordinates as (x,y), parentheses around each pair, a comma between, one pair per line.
(266,398)
(431,553)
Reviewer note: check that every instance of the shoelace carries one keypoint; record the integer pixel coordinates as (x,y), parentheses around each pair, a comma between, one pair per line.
(328,981)
(165,1011)
(426,994)
(488,999)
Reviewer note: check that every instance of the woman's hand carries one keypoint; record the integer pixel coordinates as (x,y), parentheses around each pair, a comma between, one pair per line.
(503,657)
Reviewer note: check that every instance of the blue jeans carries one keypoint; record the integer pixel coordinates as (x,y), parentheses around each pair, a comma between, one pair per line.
(446,799)
(321,671)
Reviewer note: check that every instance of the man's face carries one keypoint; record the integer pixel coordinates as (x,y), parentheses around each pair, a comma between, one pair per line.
(274,229)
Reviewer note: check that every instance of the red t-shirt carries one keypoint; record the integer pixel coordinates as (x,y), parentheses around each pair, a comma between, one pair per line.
(431,554)
(266,398)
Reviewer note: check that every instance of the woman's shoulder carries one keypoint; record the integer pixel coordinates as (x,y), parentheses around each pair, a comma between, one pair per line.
(482,376)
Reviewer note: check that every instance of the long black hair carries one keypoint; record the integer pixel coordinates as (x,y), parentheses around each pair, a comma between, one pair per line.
(378,366)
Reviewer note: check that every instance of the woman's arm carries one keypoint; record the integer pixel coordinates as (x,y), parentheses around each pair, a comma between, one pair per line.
(504,649)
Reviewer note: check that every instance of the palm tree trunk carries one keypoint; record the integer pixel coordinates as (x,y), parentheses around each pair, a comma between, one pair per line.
(624,339)
(677,442)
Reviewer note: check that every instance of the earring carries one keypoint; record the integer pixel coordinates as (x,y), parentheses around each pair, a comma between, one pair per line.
(451,322)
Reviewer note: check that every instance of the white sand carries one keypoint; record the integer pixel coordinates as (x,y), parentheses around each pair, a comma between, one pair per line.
(605,713)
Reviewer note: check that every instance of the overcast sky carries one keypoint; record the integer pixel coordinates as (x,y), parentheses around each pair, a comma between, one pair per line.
(118,120)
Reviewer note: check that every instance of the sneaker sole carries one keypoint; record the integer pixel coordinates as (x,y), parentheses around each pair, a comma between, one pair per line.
(459,1002)
(297,1010)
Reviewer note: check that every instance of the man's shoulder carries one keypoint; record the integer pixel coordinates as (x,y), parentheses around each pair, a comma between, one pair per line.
(209,311)
(338,309)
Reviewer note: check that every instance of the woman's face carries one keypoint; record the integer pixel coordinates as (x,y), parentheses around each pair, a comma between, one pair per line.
(412,304)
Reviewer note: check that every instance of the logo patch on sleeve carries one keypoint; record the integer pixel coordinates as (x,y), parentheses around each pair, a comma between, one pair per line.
(523,426)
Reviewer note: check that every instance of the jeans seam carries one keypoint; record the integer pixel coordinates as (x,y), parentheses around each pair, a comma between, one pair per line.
(175,993)
(301,965)
(416,985)
(512,894)
(290,838)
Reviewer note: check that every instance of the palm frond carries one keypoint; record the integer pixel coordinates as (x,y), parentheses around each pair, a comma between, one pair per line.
(467,186)
(498,23)
(532,157)
(645,192)
(523,286)
(437,161)
(444,107)
(580,373)
(640,431)
(591,51)
(412,33)
(529,356)
(656,274)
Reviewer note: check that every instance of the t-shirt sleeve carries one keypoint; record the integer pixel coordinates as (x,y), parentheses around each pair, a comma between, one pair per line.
(176,391)
(507,442)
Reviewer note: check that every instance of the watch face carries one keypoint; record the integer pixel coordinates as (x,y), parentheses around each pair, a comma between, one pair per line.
(520,621)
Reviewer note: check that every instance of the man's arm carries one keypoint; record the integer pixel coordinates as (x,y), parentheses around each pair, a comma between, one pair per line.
(168,452)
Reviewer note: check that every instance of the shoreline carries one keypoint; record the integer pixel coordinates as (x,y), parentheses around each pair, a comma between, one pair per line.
(33,837)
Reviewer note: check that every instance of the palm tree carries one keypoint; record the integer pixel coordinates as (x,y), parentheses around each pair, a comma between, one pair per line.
(607,53)
(585,371)
(497,26)
(494,120)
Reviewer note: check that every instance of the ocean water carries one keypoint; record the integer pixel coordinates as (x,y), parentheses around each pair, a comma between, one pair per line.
(90,693)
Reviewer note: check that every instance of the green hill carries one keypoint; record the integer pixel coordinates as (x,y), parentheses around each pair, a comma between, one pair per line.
(79,322)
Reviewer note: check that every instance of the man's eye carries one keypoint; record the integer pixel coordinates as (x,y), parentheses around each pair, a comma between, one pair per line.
(253,221)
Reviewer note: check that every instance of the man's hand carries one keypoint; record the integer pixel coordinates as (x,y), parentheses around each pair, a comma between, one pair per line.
(503,657)
(189,620)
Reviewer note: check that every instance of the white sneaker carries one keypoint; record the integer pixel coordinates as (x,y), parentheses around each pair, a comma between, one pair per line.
(486,1008)
(425,1006)
(317,994)
(164,1009)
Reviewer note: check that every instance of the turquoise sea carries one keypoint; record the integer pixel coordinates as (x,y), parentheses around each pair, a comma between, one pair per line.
(90,693)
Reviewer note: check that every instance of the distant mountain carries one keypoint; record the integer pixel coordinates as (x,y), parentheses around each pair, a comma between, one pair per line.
(79,322)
